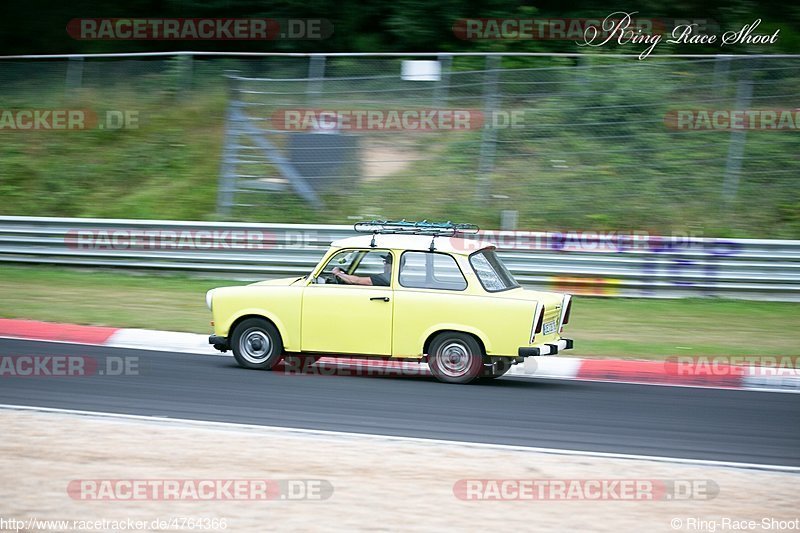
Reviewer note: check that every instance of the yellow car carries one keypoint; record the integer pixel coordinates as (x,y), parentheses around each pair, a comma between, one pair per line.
(407,290)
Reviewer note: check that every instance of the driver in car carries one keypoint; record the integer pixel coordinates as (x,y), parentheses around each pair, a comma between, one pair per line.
(379,280)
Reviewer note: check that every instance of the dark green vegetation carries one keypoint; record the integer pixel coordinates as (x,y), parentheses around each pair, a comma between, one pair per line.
(38,26)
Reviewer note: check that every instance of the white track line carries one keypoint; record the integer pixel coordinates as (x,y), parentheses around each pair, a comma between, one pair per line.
(235,426)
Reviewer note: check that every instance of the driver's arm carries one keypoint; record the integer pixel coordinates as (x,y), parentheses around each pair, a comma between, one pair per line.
(350,278)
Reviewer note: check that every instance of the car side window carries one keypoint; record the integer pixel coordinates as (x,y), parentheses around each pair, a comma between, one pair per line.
(342,260)
(363,263)
(374,266)
(430,270)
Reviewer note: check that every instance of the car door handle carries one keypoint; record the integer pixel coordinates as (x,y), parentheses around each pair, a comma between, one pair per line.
(382,298)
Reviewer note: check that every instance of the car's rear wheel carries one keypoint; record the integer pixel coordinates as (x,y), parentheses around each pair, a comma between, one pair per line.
(455,357)
(257,344)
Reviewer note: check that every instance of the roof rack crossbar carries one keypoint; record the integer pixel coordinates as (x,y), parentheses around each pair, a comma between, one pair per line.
(408,227)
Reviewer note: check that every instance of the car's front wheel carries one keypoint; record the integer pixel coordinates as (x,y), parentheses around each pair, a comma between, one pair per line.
(455,357)
(256,344)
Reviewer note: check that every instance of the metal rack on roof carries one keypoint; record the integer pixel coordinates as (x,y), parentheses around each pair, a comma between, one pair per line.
(408,227)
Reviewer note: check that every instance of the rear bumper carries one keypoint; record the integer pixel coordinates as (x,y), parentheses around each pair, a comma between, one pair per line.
(220,343)
(546,349)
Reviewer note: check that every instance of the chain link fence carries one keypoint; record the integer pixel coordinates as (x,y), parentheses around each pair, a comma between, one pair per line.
(585,142)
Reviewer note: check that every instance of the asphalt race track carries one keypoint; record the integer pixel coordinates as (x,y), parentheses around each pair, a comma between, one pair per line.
(722,425)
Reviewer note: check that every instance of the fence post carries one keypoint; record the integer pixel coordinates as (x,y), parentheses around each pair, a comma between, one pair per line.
(722,66)
(509,219)
(489,137)
(187,73)
(316,73)
(733,166)
(227,178)
(440,92)
(74,73)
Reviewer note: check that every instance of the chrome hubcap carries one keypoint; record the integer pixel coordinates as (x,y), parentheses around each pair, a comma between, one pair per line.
(255,346)
(454,359)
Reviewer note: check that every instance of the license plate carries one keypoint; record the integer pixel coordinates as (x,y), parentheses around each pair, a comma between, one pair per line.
(549,327)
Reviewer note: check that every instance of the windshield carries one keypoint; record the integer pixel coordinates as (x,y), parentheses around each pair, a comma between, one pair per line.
(492,273)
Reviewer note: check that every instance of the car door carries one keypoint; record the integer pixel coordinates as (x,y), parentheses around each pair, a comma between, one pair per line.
(429,295)
(349,319)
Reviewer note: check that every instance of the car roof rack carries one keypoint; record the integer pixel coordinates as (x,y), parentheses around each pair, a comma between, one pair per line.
(408,227)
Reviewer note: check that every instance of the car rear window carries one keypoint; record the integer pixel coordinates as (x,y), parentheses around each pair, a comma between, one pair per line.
(491,272)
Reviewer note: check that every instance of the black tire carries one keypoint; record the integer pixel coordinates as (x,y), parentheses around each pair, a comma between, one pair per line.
(257,344)
(455,357)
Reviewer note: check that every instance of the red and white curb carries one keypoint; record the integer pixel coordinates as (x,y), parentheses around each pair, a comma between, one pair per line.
(667,373)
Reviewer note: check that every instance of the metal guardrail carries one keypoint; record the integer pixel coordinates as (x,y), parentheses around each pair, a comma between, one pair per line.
(632,265)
